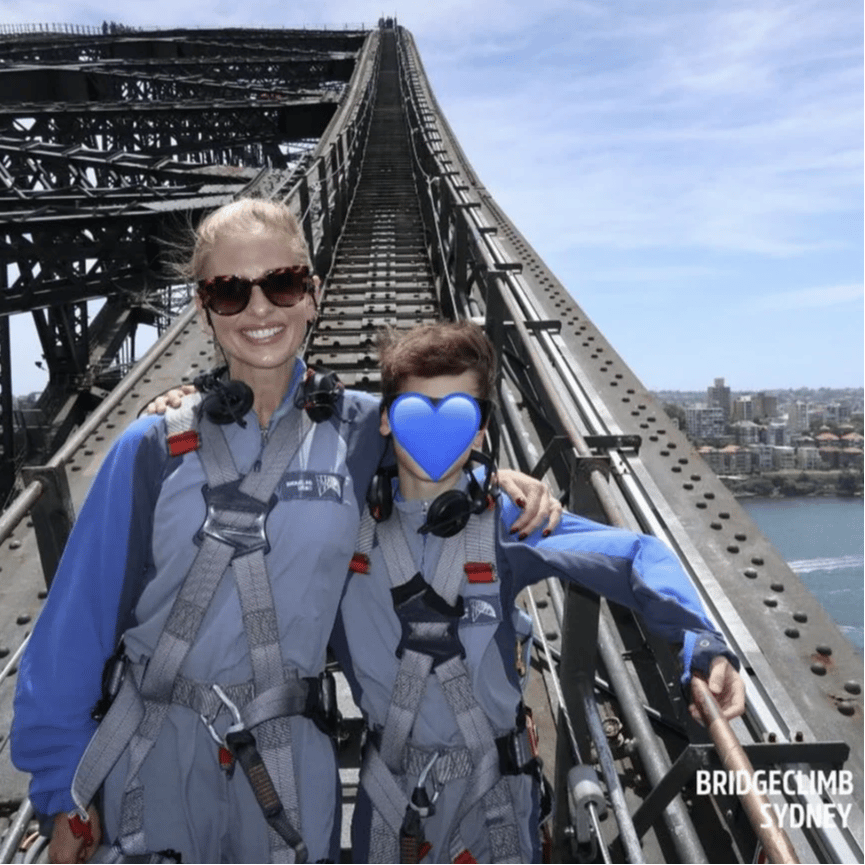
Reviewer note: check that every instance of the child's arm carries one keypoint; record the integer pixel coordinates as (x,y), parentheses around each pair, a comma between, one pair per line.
(640,572)
(59,680)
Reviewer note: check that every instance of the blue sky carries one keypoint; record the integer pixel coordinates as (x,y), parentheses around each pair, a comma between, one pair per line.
(690,169)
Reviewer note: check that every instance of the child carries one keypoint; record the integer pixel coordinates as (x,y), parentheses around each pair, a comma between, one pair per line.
(428,626)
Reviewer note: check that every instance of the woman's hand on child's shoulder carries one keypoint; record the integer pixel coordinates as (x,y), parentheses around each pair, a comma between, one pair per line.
(539,505)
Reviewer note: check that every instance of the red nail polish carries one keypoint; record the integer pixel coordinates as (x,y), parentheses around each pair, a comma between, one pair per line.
(547,533)
(521,503)
(522,536)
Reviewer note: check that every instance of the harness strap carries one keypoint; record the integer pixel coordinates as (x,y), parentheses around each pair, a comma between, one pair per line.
(107,744)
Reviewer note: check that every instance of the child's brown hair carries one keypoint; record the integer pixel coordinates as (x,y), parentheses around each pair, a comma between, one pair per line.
(443,348)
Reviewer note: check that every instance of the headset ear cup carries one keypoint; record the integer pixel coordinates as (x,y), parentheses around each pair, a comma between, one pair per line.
(228,403)
(448,514)
(379,496)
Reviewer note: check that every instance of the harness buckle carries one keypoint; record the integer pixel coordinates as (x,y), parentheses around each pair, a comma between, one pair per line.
(226,754)
(420,800)
(227,499)
(321,705)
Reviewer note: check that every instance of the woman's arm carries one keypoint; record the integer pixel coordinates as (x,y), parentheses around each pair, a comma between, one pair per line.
(59,680)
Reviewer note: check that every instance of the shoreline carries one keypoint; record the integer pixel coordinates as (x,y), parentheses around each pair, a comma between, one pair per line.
(795,483)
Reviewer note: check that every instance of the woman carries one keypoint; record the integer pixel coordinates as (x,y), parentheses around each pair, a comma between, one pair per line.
(270,542)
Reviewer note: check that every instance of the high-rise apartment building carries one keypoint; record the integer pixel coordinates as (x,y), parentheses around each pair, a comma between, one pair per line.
(719,395)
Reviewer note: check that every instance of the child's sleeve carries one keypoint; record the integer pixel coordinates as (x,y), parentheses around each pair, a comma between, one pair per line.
(638,571)
(59,680)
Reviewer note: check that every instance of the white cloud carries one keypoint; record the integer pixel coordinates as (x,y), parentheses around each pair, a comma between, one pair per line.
(808,298)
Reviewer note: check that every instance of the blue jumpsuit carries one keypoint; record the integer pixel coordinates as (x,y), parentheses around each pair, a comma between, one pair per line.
(129,552)
(631,569)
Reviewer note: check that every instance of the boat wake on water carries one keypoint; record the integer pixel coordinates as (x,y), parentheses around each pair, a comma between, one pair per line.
(837,563)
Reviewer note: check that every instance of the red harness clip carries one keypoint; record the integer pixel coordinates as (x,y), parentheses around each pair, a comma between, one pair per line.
(480,572)
(182,443)
(81,828)
(359,563)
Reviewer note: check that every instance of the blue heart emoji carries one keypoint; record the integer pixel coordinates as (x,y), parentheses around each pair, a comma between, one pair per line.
(434,433)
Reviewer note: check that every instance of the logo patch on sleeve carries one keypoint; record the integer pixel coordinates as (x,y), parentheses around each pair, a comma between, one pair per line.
(320,486)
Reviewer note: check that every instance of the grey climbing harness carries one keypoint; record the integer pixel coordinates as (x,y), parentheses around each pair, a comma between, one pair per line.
(233,536)
(430,647)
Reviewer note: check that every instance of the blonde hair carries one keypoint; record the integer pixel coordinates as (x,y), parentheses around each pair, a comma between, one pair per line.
(244,216)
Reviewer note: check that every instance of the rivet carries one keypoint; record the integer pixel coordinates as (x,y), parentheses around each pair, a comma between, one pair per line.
(695,477)
(653,438)
(23,619)
(665,453)
(852,687)
(651,418)
(793,633)
(770,602)
(551,634)
(683,461)
(42,594)
(818,669)
(798,737)
(4,651)
(702,505)
(732,548)
(756,560)
(676,468)
(800,617)
(542,602)
(13,545)
(750,573)
(824,650)
(740,536)
(716,525)
(708,495)
(773,736)
(847,709)
(687,486)
(776,587)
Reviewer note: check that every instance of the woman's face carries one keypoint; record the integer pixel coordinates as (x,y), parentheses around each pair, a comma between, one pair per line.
(262,336)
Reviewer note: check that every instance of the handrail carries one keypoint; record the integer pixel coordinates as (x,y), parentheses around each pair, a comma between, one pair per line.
(761,815)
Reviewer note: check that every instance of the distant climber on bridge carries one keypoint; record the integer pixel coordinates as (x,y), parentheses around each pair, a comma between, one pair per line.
(213,550)
(429,633)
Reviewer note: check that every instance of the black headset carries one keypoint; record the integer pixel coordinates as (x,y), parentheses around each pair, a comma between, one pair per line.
(449,512)
(228,401)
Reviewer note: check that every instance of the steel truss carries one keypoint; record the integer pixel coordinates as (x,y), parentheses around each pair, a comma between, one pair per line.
(109,143)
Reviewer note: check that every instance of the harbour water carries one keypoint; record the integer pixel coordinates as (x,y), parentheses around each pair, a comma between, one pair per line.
(822,541)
